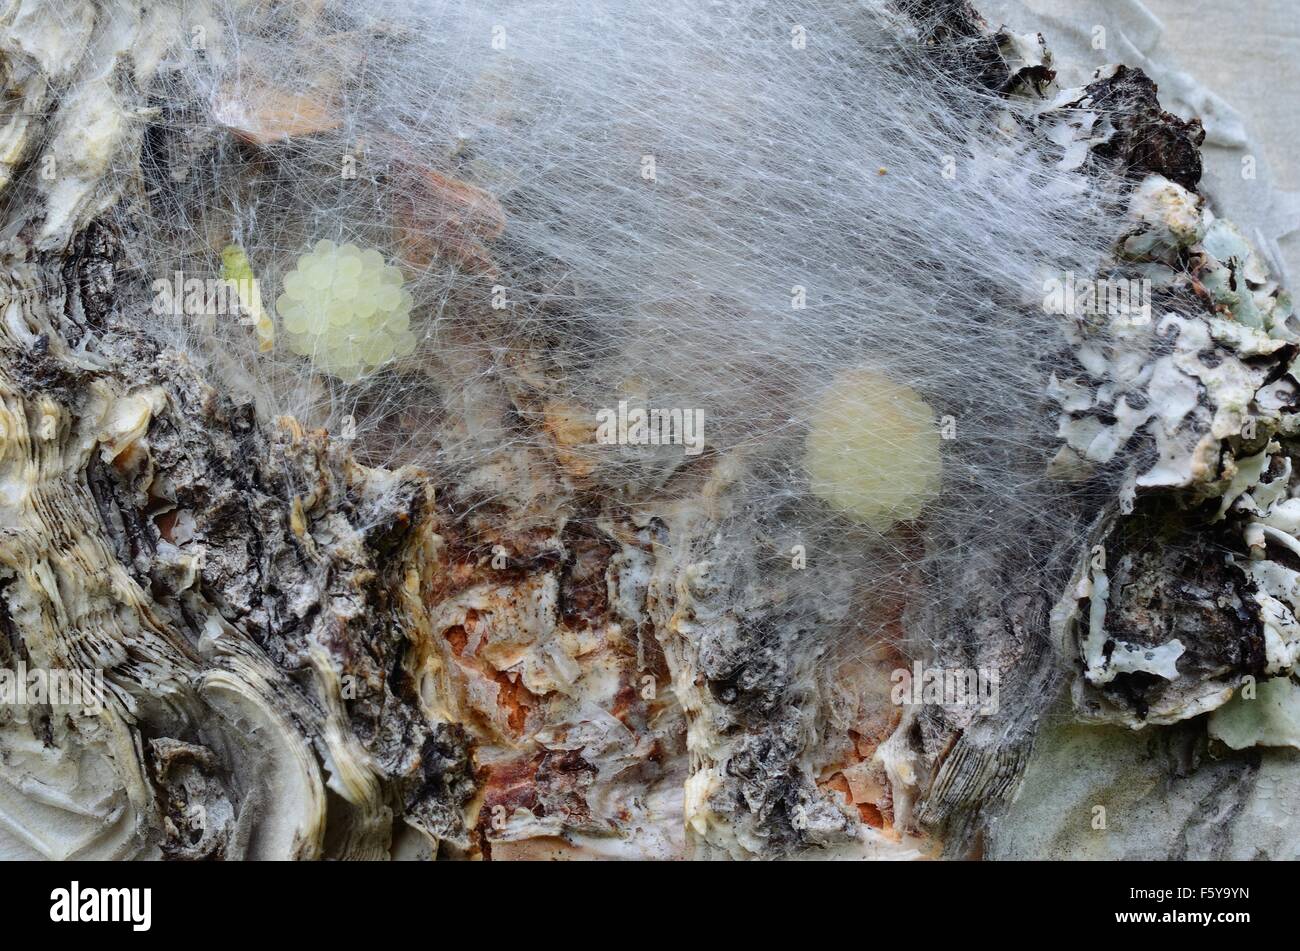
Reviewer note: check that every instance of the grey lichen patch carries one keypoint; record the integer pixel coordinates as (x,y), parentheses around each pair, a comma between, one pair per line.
(1185,407)
(1238,283)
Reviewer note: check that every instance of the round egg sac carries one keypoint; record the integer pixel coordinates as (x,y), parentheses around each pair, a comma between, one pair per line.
(345,310)
(873,450)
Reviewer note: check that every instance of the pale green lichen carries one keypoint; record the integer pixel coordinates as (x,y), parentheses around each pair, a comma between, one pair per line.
(1235,276)
(1169,218)
(1270,718)
(345,310)
(873,451)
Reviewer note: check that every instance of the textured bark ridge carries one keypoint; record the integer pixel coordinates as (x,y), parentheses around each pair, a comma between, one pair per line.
(252,594)
(307,657)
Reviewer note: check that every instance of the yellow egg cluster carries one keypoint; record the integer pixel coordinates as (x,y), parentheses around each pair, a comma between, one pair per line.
(345,310)
(873,451)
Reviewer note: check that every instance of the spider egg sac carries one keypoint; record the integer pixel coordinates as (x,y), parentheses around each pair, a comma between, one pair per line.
(873,449)
(346,310)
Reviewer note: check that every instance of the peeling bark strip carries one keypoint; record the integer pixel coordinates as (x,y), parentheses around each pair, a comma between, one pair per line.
(1147,139)
(505,656)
